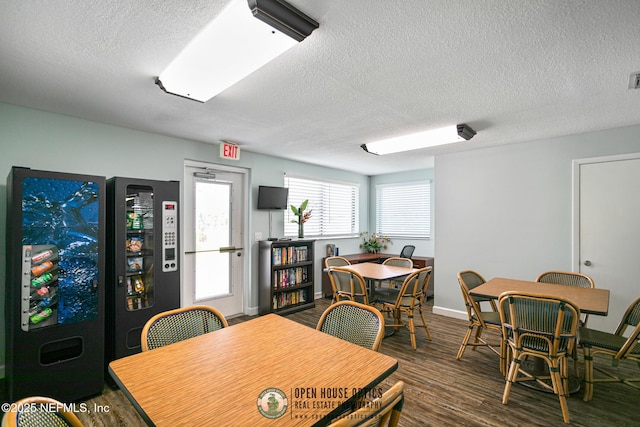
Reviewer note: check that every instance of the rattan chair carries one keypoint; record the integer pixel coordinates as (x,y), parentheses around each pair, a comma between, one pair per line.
(41,412)
(336,261)
(540,326)
(480,320)
(180,324)
(568,279)
(354,322)
(384,411)
(348,285)
(409,299)
(399,262)
(612,344)
(394,283)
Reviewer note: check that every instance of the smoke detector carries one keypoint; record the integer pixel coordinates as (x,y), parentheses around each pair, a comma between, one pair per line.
(634,80)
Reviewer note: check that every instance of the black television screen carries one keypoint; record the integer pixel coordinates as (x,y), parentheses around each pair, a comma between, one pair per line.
(273,198)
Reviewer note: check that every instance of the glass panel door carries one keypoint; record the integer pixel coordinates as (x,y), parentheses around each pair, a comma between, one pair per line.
(139,247)
(216,214)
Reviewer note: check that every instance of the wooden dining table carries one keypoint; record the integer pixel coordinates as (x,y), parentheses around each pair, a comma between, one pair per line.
(266,371)
(588,300)
(374,272)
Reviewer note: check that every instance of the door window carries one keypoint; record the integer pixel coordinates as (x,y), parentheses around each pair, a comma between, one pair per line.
(212,219)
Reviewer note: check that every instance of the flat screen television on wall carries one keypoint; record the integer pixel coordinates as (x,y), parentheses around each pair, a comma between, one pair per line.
(272,198)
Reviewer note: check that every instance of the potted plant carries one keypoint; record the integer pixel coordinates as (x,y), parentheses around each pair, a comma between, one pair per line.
(302,217)
(374,242)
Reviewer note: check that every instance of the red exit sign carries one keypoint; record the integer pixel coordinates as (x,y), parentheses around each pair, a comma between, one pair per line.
(229,151)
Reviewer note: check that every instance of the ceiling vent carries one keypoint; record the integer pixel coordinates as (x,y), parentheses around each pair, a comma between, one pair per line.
(634,80)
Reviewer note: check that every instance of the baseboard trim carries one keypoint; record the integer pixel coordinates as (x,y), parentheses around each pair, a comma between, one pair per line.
(456,314)
(252,311)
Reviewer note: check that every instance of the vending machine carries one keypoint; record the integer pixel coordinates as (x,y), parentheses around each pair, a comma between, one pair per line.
(143,262)
(54,284)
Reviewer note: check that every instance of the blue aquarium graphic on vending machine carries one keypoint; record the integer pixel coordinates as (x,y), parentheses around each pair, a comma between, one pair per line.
(56,224)
(60,251)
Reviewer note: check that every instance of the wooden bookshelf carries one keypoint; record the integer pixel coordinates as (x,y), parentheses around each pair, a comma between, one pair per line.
(285,276)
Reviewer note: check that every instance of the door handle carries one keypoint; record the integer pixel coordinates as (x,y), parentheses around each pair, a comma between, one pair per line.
(220,250)
(587,263)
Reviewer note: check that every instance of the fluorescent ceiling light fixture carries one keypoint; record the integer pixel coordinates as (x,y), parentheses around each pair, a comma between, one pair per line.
(430,138)
(234,45)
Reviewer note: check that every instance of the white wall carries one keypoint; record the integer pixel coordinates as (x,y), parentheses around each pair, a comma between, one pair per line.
(507,211)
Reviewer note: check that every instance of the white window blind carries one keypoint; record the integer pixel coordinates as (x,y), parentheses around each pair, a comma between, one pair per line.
(404,209)
(334,206)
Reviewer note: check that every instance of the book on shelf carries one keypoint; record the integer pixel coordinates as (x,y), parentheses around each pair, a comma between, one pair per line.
(289,255)
(290,277)
(286,299)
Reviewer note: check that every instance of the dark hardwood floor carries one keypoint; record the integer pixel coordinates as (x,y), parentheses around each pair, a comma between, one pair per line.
(442,391)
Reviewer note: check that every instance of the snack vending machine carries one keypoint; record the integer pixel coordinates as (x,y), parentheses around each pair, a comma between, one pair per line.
(54,285)
(143,262)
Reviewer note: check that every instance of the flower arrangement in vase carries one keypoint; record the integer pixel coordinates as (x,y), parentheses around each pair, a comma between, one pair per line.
(302,217)
(374,242)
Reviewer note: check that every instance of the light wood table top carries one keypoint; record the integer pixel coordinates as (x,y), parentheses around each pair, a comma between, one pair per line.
(375,271)
(223,377)
(379,257)
(589,300)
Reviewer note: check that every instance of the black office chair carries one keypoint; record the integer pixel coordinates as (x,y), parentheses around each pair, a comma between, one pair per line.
(407,251)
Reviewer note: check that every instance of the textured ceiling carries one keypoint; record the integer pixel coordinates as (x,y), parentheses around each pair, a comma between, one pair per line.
(514,70)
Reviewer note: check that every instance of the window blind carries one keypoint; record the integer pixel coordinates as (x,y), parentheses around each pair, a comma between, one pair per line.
(404,209)
(334,206)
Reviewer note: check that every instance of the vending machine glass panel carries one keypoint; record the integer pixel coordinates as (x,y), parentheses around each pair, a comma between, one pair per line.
(59,252)
(139,247)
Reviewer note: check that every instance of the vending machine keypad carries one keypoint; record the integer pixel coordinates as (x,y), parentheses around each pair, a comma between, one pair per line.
(169,236)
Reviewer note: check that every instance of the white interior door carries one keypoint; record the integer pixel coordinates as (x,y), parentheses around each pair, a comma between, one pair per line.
(214,220)
(608,220)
